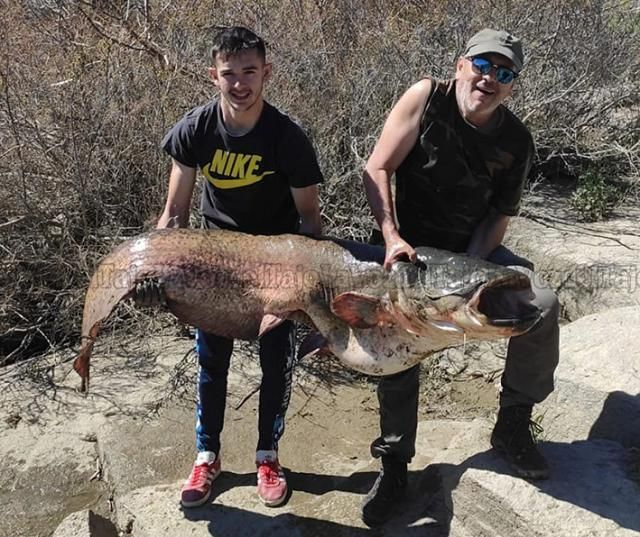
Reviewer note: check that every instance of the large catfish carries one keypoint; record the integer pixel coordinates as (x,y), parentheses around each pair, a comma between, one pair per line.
(375,321)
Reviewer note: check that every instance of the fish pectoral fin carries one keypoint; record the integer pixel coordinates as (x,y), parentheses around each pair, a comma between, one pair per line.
(314,344)
(361,311)
(269,322)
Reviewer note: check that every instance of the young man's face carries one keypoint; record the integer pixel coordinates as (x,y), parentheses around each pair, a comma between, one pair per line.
(479,95)
(240,78)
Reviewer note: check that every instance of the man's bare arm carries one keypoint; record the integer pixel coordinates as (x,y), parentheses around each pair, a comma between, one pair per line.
(308,206)
(488,235)
(181,183)
(398,136)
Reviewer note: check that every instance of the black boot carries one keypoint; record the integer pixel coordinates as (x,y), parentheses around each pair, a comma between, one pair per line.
(512,438)
(387,492)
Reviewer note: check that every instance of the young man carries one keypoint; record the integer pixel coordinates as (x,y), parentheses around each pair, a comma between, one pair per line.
(262,178)
(460,158)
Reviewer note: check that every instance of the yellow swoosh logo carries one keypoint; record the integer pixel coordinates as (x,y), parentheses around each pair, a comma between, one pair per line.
(236,183)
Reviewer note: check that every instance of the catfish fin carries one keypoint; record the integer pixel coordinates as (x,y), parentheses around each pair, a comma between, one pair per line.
(107,288)
(361,311)
(81,364)
(269,322)
(314,344)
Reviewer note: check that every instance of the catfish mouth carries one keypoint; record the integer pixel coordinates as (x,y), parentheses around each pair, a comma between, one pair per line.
(504,302)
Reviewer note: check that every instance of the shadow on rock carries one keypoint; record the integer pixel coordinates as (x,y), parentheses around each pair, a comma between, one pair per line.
(619,419)
(422,515)
(592,475)
(230,521)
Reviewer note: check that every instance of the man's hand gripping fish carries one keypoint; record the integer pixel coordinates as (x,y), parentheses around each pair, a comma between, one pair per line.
(377,322)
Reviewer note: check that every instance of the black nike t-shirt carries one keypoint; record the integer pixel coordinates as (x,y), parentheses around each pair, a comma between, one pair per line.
(247,178)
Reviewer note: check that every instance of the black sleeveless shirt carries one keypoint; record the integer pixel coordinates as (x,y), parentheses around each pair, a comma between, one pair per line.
(455,173)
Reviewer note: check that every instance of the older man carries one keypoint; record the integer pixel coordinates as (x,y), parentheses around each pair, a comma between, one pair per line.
(460,159)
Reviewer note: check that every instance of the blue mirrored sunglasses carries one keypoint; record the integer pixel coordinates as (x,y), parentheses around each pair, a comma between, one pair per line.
(482,66)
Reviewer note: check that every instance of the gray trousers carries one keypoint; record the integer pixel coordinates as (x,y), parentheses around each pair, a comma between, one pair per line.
(527,379)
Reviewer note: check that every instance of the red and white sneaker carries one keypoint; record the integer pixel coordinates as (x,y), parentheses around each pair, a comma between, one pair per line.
(272,483)
(197,489)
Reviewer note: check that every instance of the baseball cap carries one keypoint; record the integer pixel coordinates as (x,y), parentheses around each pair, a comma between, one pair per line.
(498,42)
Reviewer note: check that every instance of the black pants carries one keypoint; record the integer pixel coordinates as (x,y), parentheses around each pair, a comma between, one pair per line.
(277,351)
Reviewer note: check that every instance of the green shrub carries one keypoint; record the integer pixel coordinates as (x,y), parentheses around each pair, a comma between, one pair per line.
(594,197)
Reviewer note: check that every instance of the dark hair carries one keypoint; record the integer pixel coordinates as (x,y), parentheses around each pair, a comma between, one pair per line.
(234,39)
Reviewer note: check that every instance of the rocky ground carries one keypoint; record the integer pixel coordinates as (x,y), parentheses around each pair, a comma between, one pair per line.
(112,463)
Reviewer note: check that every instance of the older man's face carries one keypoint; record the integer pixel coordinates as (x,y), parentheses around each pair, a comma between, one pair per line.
(480,95)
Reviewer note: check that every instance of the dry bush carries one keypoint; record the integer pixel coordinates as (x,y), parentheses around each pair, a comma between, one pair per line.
(87,90)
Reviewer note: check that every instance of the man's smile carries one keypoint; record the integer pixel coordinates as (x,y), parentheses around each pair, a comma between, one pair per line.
(484,90)
(240,95)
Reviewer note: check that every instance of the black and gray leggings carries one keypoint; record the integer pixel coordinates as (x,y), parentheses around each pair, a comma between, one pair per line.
(277,352)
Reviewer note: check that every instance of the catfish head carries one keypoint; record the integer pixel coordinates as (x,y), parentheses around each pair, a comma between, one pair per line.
(463,295)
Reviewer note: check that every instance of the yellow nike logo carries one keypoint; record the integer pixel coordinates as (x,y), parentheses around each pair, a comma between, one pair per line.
(235,183)
(239,168)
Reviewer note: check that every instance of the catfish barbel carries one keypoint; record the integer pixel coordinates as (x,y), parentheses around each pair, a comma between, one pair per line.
(375,321)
